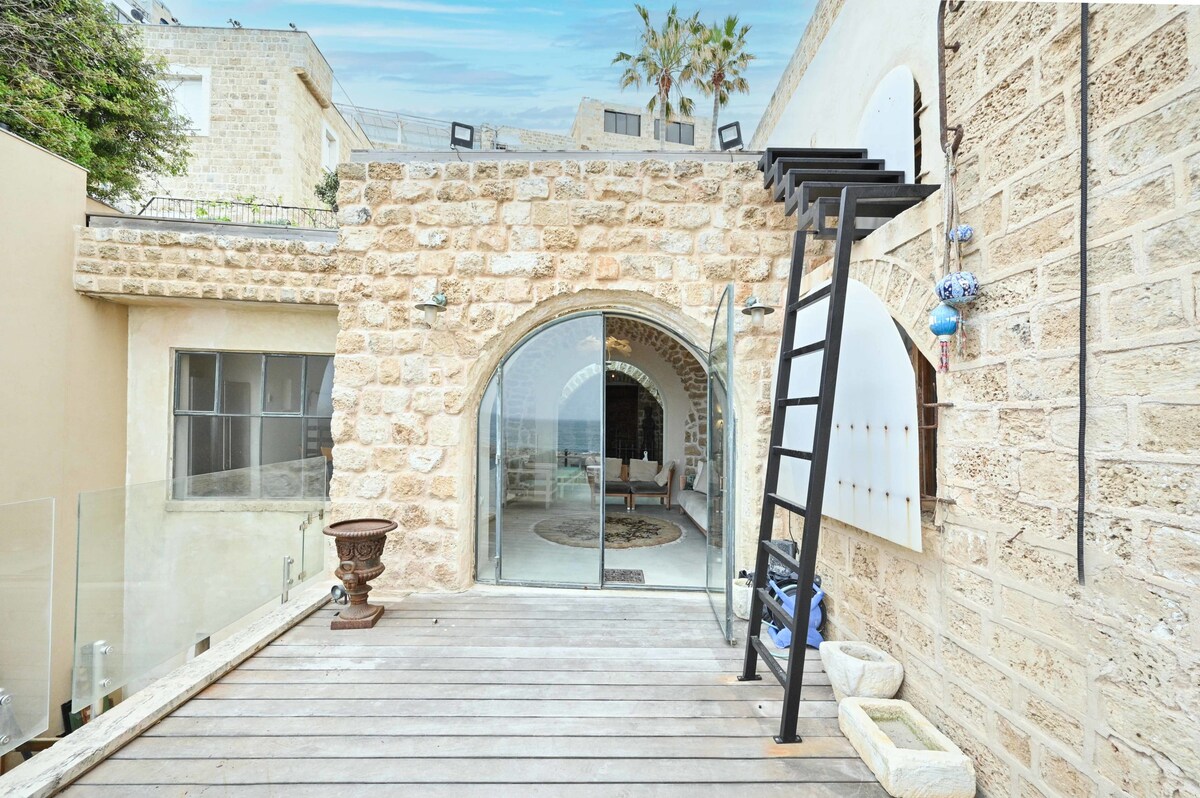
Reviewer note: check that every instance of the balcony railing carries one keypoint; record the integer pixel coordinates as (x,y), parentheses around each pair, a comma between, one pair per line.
(239,212)
(158,577)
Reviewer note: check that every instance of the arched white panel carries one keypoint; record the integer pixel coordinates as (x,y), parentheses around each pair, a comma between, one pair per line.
(873,480)
(886,127)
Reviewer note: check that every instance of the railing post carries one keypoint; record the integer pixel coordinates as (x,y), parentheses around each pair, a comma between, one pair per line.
(8,720)
(100,650)
(287,578)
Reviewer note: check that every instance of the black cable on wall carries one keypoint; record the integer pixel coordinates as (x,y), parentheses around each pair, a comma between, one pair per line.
(1083,230)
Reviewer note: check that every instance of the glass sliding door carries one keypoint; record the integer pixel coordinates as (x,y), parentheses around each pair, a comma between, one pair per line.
(487,493)
(551,426)
(720,467)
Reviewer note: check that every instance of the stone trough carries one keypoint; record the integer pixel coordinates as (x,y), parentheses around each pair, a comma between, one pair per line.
(860,670)
(910,757)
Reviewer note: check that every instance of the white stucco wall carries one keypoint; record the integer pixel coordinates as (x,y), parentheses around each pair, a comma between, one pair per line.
(828,105)
(156,332)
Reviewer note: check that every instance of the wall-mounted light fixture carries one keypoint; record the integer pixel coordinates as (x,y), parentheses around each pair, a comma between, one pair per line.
(462,135)
(757,311)
(434,305)
(729,136)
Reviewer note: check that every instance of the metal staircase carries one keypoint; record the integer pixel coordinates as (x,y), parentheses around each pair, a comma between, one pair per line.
(818,185)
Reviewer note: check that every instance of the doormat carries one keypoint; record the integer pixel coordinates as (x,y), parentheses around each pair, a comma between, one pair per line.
(630,576)
(621,531)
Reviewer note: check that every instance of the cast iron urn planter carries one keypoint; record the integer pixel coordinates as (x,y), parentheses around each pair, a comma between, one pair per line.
(359,547)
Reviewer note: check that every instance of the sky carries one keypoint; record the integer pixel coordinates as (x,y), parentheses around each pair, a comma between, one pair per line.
(524,63)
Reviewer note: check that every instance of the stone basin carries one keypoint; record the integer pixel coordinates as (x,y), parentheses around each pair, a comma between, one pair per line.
(860,670)
(909,756)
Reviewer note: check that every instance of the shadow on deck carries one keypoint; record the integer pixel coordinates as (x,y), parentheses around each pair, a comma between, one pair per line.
(494,692)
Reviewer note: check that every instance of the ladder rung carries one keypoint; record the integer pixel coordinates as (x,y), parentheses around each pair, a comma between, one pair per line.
(773,549)
(797,401)
(786,452)
(786,504)
(774,607)
(807,349)
(769,660)
(815,296)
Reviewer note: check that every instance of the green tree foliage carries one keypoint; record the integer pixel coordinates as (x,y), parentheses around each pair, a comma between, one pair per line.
(326,189)
(77,83)
(720,63)
(666,62)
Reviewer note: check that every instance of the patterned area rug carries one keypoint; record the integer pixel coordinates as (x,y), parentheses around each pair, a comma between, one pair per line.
(621,531)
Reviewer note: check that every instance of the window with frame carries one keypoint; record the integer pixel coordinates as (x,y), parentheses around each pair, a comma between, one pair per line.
(330,151)
(623,124)
(677,132)
(239,411)
(189,89)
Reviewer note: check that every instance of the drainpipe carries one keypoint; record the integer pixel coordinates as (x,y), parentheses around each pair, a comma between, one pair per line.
(1083,231)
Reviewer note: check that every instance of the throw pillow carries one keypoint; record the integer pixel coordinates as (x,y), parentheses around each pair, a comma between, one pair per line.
(663,476)
(642,470)
(701,483)
(612,469)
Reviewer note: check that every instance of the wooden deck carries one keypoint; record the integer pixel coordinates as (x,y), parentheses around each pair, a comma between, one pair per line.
(496,693)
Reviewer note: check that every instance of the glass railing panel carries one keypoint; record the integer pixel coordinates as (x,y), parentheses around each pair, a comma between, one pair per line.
(26,567)
(163,566)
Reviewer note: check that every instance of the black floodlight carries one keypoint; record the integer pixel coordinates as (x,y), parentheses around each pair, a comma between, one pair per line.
(730,136)
(462,135)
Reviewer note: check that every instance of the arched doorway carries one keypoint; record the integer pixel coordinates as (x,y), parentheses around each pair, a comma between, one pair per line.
(564,501)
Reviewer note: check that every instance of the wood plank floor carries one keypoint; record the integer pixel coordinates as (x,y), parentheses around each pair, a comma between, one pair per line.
(495,692)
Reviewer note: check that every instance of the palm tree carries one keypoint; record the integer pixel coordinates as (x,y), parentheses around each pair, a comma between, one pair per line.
(665,62)
(720,58)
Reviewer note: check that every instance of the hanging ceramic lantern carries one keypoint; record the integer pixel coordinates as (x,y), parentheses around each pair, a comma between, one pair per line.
(957,288)
(961,234)
(943,322)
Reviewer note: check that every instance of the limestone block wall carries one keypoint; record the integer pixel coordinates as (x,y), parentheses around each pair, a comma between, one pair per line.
(266,126)
(1056,688)
(126,262)
(514,244)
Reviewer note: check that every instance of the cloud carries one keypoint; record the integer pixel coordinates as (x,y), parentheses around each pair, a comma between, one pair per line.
(460,39)
(417,6)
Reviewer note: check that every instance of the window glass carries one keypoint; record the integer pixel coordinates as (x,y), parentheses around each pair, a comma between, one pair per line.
(225,421)
(241,384)
(284,388)
(196,381)
(687,134)
(610,122)
(318,386)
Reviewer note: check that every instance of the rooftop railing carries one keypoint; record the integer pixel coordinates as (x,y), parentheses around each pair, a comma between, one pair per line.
(239,212)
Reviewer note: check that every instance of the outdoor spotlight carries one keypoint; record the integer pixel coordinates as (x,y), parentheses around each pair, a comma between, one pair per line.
(462,135)
(434,305)
(338,595)
(730,136)
(756,310)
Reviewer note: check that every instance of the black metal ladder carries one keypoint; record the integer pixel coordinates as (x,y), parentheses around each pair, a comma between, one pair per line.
(854,200)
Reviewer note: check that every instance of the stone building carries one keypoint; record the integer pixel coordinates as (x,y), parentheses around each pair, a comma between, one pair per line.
(260,104)
(1054,686)
(605,126)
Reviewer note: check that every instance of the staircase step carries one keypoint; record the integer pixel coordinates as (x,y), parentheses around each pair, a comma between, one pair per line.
(797,180)
(776,175)
(772,154)
(786,504)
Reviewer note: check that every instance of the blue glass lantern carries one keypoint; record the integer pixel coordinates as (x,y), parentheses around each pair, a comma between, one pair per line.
(943,322)
(957,288)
